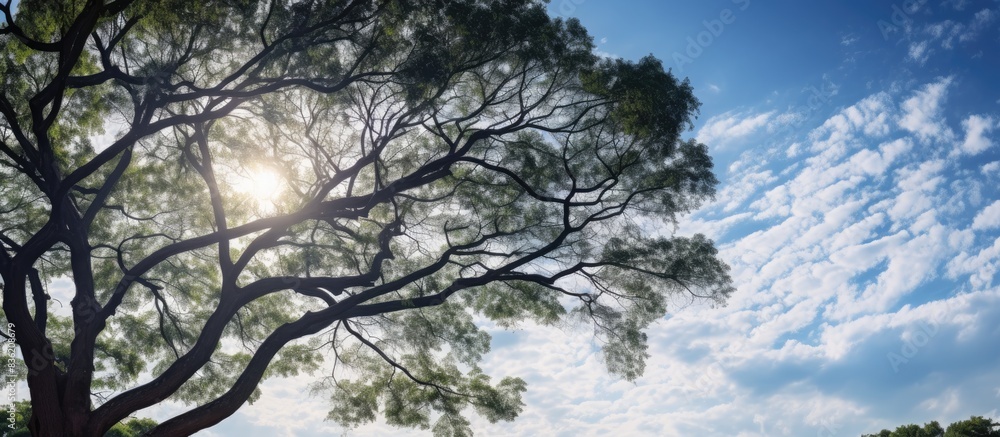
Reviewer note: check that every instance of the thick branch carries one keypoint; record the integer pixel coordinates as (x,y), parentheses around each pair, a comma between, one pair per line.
(41,299)
(222,407)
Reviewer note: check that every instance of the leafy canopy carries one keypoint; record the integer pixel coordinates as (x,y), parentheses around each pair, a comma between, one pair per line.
(975,426)
(433,167)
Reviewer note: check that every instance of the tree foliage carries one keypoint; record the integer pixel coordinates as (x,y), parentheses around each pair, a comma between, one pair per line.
(16,416)
(17,423)
(438,164)
(975,426)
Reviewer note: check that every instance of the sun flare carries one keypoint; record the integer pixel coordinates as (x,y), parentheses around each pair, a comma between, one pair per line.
(261,184)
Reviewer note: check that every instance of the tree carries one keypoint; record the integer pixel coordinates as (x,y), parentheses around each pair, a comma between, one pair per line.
(932,429)
(976,426)
(16,416)
(17,423)
(238,190)
(131,428)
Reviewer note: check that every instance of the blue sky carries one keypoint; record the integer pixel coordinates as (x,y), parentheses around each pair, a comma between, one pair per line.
(857,145)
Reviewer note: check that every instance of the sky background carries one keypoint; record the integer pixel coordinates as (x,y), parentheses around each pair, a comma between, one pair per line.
(856,142)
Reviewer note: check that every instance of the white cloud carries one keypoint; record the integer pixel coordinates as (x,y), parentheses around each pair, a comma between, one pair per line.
(605,55)
(919,52)
(728,127)
(980,21)
(736,194)
(285,409)
(819,215)
(915,190)
(976,129)
(982,266)
(984,17)
(857,225)
(713,228)
(959,5)
(937,30)
(991,168)
(948,31)
(870,117)
(922,112)
(988,218)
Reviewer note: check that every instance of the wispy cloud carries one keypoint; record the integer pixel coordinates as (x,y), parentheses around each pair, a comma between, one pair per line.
(977,127)
(834,274)
(949,32)
(727,128)
(922,112)
(958,5)
(920,52)
(988,218)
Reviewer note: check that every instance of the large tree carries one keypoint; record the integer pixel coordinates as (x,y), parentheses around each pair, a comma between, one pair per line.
(238,189)
(975,426)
